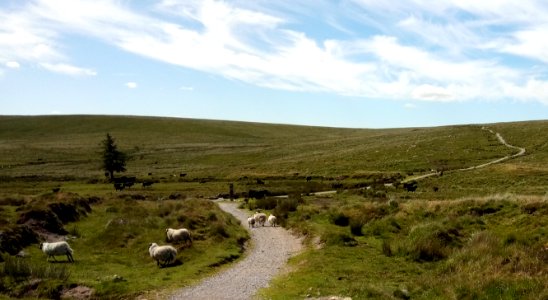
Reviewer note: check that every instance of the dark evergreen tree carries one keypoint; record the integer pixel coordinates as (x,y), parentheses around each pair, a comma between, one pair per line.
(113,160)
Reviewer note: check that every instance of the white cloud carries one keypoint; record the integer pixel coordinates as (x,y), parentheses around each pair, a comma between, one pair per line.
(445,57)
(432,93)
(131,85)
(410,105)
(13,65)
(187,88)
(68,69)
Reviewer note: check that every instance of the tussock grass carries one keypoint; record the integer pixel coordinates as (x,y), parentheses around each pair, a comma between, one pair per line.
(478,234)
(469,248)
(111,249)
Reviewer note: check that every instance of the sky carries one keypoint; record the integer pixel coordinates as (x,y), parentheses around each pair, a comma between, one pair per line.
(354,63)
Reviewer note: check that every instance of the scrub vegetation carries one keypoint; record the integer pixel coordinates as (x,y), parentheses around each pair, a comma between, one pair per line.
(476,234)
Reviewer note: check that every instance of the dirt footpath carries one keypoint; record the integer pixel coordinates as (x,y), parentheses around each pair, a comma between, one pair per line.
(270,250)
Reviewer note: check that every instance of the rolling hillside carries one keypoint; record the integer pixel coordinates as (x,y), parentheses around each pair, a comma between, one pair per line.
(424,243)
(69,146)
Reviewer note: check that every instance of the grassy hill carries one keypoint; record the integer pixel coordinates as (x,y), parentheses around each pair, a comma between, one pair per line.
(477,234)
(68,147)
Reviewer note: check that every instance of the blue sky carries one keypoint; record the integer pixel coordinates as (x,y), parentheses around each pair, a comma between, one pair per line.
(355,63)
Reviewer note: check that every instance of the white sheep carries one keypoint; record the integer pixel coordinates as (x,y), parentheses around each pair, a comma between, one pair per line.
(57,248)
(272,220)
(164,255)
(260,218)
(178,235)
(251,222)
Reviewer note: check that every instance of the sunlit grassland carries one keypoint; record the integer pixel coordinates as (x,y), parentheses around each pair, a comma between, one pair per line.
(470,248)
(491,221)
(111,246)
(69,146)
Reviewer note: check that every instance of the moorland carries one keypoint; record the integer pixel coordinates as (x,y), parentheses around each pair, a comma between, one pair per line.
(474,234)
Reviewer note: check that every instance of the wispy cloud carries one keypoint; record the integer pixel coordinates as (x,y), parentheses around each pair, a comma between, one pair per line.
(131,85)
(186,88)
(410,105)
(425,51)
(68,69)
(13,65)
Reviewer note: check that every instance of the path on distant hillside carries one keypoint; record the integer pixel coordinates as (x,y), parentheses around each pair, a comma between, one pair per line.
(521,151)
(271,248)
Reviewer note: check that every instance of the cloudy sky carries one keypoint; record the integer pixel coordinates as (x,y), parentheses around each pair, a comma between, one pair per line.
(355,63)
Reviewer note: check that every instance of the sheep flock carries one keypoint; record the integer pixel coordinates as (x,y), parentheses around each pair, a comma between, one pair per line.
(164,255)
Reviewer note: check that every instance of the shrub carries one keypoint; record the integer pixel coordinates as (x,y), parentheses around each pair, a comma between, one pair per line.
(339,239)
(382,227)
(285,206)
(339,218)
(356,225)
(267,203)
(393,203)
(431,242)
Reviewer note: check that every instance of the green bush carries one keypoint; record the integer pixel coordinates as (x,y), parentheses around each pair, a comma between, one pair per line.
(431,242)
(356,225)
(339,218)
(285,206)
(382,227)
(338,239)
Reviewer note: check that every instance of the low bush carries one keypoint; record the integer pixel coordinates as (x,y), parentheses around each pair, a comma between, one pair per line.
(431,242)
(339,218)
(338,239)
(356,225)
(382,227)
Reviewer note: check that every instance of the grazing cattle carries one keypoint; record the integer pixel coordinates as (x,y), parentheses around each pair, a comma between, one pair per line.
(124,182)
(258,194)
(411,186)
(147,183)
(118,186)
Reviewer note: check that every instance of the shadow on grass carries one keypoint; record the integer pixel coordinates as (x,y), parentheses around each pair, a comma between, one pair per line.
(176,263)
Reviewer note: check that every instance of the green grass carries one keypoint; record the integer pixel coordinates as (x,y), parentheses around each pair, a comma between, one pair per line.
(112,242)
(477,234)
(476,248)
(68,147)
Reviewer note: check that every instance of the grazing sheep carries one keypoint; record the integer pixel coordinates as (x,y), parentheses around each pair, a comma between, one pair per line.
(57,248)
(260,218)
(272,220)
(251,222)
(178,235)
(164,255)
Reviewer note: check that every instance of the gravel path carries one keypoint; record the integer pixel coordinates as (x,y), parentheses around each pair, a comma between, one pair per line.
(521,151)
(270,250)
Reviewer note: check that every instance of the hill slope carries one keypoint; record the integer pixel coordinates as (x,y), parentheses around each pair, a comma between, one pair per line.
(61,146)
